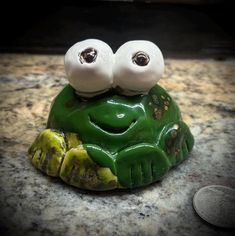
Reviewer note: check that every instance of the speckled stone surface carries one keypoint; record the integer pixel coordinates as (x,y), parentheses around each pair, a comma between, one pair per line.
(34,204)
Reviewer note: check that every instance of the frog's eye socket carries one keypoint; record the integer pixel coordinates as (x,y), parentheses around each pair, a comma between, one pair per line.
(88,65)
(138,66)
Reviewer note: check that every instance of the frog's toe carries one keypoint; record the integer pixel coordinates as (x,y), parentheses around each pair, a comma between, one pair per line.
(47,152)
(141,164)
(79,170)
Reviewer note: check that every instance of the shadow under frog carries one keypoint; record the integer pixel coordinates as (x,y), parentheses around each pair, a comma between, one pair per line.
(112,141)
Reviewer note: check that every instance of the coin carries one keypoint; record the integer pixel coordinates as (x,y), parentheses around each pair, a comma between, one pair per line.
(216,205)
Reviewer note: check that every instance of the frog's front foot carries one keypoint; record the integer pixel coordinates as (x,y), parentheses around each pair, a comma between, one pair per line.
(47,152)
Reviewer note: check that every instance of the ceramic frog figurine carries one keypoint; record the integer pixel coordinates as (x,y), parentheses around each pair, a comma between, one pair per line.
(112,126)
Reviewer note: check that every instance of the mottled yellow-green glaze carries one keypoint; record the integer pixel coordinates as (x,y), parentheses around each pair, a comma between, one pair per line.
(79,170)
(72,140)
(58,154)
(47,152)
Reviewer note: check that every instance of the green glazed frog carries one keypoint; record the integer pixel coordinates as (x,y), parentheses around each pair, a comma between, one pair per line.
(112,126)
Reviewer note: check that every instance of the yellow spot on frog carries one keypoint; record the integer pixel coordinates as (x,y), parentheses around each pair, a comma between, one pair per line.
(72,140)
(173,133)
(175,126)
(166,103)
(155,99)
(158,114)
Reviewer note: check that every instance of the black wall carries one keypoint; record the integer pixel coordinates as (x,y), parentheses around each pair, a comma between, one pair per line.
(180,30)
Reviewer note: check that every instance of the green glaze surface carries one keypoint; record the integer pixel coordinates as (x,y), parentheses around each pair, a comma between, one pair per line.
(137,139)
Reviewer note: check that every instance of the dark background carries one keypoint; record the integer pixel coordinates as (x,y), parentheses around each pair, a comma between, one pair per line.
(182,29)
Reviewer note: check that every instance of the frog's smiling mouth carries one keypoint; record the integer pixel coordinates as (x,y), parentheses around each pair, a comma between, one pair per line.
(111,129)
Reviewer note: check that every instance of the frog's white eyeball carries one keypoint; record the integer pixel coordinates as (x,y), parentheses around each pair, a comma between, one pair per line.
(138,65)
(88,65)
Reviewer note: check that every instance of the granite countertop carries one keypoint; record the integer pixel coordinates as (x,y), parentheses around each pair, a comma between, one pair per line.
(34,204)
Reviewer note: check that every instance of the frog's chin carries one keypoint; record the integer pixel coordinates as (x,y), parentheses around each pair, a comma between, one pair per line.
(129,92)
(117,90)
(91,94)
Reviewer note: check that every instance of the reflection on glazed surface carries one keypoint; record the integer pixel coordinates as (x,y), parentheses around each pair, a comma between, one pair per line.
(137,138)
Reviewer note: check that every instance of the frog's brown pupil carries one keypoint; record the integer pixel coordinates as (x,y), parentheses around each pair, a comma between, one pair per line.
(141,59)
(88,55)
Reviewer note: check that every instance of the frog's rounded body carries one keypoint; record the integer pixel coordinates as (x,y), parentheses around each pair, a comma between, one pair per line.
(112,141)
